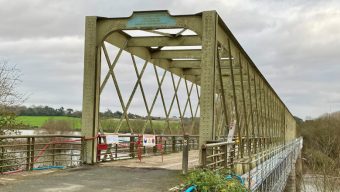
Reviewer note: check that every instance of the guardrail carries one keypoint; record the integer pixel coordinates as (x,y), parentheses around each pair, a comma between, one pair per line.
(268,169)
(22,152)
(218,155)
(272,170)
(128,147)
(30,152)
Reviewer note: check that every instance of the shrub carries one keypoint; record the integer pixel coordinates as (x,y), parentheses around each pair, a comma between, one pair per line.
(8,126)
(210,181)
(52,126)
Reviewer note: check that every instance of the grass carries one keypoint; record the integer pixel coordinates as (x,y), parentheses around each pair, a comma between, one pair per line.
(38,121)
(108,125)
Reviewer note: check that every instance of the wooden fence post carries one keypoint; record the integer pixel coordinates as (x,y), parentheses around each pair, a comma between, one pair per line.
(204,156)
(116,151)
(185,158)
(28,154)
(154,149)
(225,159)
(132,147)
(53,154)
(2,157)
(173,138)
(32,153)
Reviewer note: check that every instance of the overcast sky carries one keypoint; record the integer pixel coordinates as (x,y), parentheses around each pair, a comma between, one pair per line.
(295,44)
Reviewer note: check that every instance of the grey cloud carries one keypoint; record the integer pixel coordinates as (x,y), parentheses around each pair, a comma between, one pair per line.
(294,44)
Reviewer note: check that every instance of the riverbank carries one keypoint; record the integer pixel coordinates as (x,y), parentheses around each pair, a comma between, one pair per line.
(39,121)
(107,124)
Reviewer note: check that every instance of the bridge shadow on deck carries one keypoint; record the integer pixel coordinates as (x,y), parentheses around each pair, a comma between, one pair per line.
(125,175)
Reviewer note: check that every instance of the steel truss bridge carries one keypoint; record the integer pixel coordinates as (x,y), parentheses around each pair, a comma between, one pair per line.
(243,124)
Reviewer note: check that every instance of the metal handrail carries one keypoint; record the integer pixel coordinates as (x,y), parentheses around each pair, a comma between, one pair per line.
(27,152)
(129,149)
(38,136)
(210,145)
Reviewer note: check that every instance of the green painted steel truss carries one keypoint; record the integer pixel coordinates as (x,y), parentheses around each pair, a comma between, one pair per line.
(201,52)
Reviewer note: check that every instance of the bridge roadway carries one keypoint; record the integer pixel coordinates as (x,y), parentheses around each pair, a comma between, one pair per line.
(126,175)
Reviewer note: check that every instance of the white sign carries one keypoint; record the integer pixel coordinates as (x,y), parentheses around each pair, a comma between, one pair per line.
(112,139)
(149,140)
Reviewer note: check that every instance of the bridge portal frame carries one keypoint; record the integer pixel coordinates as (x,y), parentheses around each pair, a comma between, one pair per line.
(232,87)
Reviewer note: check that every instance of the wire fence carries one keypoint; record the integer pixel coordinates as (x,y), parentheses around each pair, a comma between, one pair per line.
(24,153)
(130,146)
(268,170)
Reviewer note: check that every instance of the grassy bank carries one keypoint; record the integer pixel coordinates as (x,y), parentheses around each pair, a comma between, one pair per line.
(38,121)
(108,125)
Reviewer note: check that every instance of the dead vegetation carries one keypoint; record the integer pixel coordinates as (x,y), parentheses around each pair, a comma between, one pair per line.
(321,152)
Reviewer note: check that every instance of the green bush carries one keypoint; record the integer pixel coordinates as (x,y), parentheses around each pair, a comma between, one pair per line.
(8,126)
(321,145)
(210,181)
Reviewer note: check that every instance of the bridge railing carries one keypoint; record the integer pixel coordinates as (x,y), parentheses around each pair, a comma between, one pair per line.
(218,155)
(129,146)
(29,152)
(272,170)
(268,169)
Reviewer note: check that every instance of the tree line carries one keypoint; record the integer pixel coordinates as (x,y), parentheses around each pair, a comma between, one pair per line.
(45,111)
(321,149)
(50,111)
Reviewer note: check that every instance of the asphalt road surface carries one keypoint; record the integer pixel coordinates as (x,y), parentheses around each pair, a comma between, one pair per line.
(152,174)
(93,179)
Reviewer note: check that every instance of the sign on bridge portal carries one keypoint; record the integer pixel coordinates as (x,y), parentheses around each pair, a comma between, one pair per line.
(149,140)
(151,19)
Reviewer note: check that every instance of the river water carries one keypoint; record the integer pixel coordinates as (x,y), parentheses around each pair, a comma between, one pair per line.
(36,132)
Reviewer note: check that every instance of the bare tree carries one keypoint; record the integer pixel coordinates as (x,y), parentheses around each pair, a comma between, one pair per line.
(9,79)
(9,96)
(321,153)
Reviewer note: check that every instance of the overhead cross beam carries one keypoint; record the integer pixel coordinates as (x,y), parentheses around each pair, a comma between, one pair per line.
(192,40)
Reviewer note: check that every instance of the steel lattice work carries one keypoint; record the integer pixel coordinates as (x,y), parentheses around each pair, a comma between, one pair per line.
(235,103)
(272,170)
(189,107)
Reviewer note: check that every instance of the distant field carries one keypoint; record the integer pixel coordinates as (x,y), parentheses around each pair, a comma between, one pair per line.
(107,124)
(38,121)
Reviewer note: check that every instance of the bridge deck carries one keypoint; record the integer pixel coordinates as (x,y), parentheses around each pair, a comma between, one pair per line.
(126,175)
(171,161)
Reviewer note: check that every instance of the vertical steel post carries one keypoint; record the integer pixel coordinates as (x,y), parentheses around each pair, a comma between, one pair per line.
(208,58)
(244,106)
(238,124)
(265,117)
(250,95)
(91,90)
